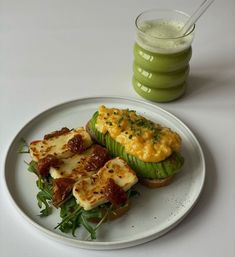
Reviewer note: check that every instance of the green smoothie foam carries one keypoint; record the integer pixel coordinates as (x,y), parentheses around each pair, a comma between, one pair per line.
(162,36)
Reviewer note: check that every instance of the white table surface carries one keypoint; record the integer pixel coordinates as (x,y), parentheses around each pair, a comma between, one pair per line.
(52,51)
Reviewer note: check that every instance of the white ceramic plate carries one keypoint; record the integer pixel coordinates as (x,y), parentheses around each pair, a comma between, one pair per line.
(152,214)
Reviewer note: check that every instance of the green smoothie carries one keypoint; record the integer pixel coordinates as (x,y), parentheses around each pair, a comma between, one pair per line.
(161,60)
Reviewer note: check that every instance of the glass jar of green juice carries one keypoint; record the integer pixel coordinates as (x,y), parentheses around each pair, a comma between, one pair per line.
(161,55)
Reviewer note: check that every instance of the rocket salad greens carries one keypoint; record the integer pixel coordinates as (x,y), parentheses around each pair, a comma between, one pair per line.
(72,214)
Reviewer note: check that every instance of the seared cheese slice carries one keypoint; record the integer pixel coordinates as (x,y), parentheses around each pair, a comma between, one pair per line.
(57,145)
(89,191)
(73,167)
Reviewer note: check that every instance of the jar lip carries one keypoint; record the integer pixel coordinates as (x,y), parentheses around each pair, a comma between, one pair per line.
(164,10)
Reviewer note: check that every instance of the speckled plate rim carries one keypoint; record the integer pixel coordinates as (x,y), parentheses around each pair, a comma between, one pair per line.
(107,245)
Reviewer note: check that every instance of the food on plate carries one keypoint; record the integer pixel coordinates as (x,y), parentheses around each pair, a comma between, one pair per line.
(81,179)
(89,174)
(153,151)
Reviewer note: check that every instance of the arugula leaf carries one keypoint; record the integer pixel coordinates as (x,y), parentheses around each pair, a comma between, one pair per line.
(94,213)
(69,217)
(32,167)
(23,146)
(88,227)
(76,224)
(93,234)
(44,196)
(68,207)
(65,209)
(43,199)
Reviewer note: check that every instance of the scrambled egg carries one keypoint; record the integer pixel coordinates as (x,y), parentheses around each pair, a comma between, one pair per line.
(141,138)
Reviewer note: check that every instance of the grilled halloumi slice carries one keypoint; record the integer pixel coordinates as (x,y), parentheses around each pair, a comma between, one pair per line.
(57,145)
(72,166)
(89,191)
(84,164)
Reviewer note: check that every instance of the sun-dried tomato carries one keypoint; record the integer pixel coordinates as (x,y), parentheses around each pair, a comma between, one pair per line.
(61,189)
(57,133)
(115,194)
(76,144)
(45,163)
(98,158)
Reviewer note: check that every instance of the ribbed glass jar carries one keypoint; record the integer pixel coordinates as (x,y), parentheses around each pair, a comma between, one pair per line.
(161,55)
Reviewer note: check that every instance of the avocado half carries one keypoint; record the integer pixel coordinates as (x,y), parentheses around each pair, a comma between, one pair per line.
(150,170)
